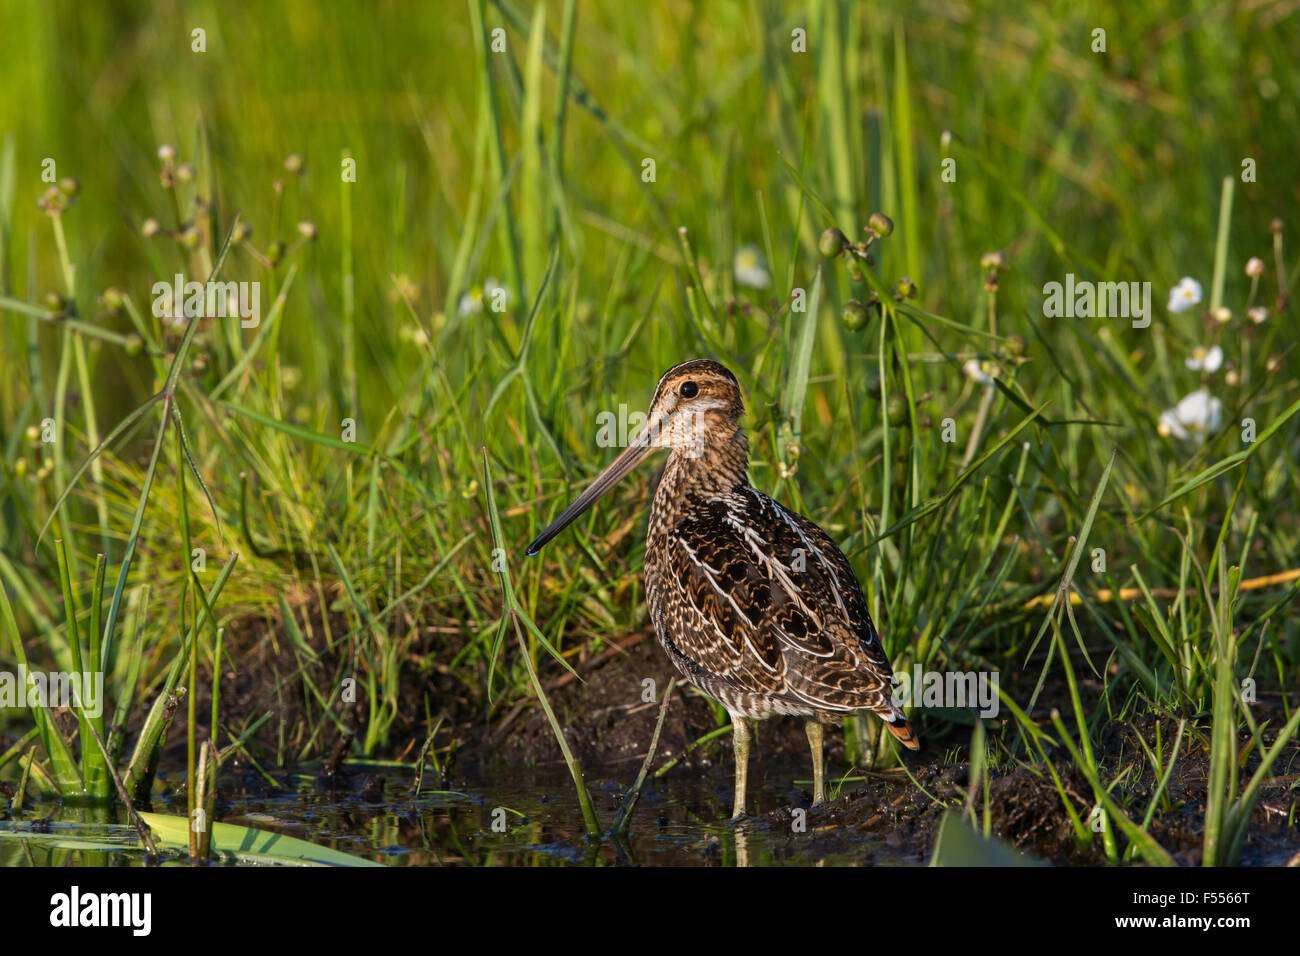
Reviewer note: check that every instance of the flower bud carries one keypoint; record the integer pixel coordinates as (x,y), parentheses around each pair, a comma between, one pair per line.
(113,299)
(150,227)
(294,164)
(993,260)
(166,152)
(880,224)
(1254,267)
(831,243)
(855,316)
(1222,315)
(896,409)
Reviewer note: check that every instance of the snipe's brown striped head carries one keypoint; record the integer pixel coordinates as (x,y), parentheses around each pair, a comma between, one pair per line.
(695,403)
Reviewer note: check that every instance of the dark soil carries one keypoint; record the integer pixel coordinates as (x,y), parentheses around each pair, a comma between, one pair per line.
(609,722)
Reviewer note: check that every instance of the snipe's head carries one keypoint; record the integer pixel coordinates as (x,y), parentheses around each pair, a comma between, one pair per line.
(695,404)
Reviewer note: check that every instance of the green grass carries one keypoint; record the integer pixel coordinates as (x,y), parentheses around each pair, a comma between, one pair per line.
(329,463)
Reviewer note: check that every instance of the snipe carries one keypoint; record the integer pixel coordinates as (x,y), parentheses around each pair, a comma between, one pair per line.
(754,604)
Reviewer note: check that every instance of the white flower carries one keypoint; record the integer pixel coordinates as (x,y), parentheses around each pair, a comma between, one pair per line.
(1207,360)
(1257,314)
(492,293)
(980,374)
(470,303)
(1184,295)
(1195,416)
(413,333)
(750,268)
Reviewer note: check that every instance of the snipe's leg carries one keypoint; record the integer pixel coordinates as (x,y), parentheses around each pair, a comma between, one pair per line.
(740,744)
(814,730)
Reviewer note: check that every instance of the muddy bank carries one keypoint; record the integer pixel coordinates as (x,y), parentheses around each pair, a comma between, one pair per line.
(609,715)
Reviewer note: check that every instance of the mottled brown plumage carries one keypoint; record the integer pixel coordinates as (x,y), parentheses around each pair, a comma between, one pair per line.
(754,604)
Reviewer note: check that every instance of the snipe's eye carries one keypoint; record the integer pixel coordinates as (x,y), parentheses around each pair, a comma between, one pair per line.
(688,390)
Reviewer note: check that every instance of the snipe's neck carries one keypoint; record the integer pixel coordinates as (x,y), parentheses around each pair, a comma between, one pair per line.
(720,467)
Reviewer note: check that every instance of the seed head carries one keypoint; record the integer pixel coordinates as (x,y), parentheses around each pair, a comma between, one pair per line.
(52,202)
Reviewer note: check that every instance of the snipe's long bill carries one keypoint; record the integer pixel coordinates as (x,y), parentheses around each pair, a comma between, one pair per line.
(754,604)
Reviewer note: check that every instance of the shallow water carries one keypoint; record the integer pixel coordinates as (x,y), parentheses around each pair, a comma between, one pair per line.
(493,816)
